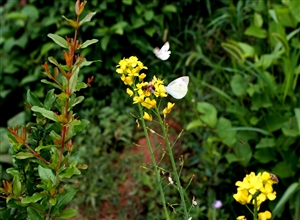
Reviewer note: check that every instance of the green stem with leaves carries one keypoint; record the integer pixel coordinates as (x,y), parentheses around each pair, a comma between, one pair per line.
(176,175)
(157,174)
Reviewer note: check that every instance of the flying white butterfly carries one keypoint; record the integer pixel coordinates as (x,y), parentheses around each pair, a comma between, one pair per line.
(164,52)
(178,87)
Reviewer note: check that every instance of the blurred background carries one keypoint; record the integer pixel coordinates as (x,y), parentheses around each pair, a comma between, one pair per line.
(241,113)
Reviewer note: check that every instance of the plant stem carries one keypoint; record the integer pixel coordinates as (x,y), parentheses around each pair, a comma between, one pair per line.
(177,179)
(157,175)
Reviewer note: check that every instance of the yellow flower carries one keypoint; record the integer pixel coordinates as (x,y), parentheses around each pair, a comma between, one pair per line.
(127,80)
(264,215)
(168,109)
(142,77)
(148,103)
(242,196)
(242,217)
(147,116)
(268,192)
(129,92)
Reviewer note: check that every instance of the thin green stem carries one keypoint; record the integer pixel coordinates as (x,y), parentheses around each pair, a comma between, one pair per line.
(177,179)
(157,175)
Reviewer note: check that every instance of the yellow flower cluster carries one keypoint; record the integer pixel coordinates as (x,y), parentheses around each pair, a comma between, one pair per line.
(256,188)
(142,92)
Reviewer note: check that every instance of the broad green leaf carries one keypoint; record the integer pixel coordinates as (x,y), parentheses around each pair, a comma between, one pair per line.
(290,191)
(256,32)
(208,113)
(225,132)
(69,172)
(266,142)
(55,137)
(87,18)
(127,2)
(33,100)
(194,124)
(68,213)
(248,50)
(149,14)
(231,158)
(46,113)
(294,7)
(297,114)
(46,174)
(63,200)
(243,152)
(272,122)
(34,214)
(104,42)
(80,85)
(59,40)
(258,20)
(17,120)
(78,100)
(265,155)
(24,155)
(283,170)
(290,128)
(169,8)
(50,99)
(17,186)
(88,43)
(238,85)
(150,31)
(32,199)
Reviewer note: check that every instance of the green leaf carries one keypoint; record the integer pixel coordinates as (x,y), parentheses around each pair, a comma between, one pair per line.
(194,124)
(104,42)
(46,174)
(46,113)
(59,40)
(127,2)
(150,31)
(283,170)
(81,126)
(208,113)
(78,100)
(225,132)
(234,51)
(290,191)
(243,153)
(46,147)
(74,79)
(88,43)
(265,155)
(50,99)
(266,142)
(32,199)
(238,85)
(149,14)
(87,18)
(18,120)
(258,20)
(68,213)
(80,85)
(169,8)
(63,199)
(24,155)
(231,158)
(69,172)
(51,83)
(34,214)
(33,100)
(294,7)
(283,42)
(256,32)
(297,114)
(17,186)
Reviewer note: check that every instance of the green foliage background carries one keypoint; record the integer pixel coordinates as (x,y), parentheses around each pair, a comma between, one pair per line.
(241,114)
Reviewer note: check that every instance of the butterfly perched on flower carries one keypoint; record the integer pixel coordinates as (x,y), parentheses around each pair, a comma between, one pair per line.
(178,87)
(163,53)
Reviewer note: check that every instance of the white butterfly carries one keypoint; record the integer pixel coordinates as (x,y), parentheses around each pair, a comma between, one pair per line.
(178,87)
(164,52)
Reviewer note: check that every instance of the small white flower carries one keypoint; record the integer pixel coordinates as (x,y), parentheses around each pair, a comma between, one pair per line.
(170,180)
(194,202)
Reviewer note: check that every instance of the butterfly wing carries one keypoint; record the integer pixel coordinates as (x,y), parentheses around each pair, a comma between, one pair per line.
(164,52)
(178,87)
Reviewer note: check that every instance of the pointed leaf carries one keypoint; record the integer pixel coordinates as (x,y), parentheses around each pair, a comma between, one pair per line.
(24,155)
(34,198)
(33,214)
(87,43)
(87,18)
(33,100)
(68,213)
(59,40)
(46,174)
(51,83)
(46,113)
